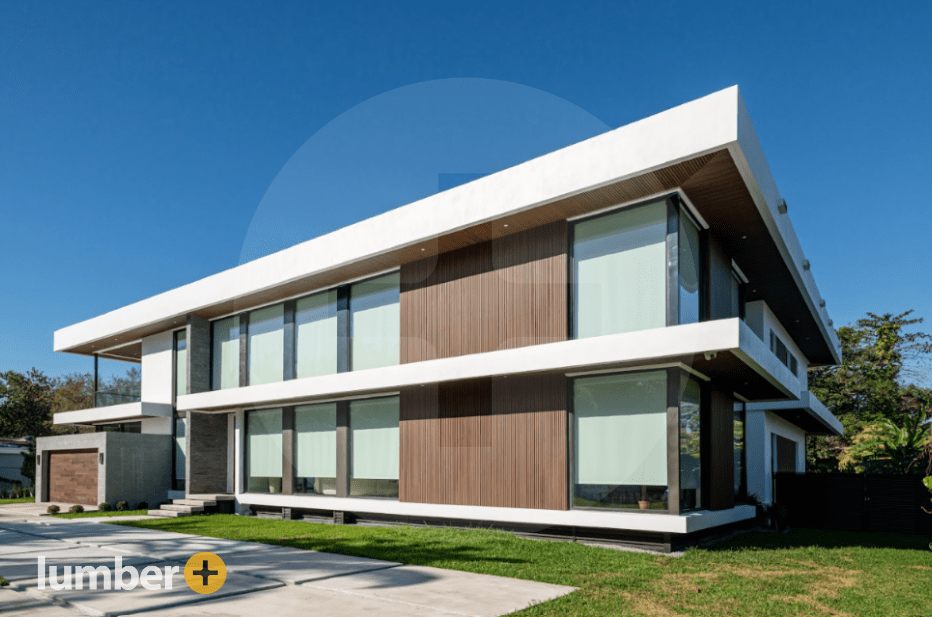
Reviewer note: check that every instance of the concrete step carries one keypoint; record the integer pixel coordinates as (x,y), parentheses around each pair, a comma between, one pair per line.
(195,502)
(168,513)
(212,496)
(174,507)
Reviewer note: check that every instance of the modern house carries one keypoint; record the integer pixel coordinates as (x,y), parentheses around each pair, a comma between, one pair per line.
(611,340)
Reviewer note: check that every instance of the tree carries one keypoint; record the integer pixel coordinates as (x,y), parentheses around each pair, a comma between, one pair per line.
(873,384)
(73,391)
(26,410)
(25,404)
(887,448)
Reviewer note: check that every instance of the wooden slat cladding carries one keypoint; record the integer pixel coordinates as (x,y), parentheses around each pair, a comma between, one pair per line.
(500,442)
(505,293)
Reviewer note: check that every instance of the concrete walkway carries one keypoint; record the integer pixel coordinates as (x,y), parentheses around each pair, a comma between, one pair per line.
(261,579)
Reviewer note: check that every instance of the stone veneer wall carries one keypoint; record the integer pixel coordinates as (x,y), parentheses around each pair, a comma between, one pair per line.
(206,470)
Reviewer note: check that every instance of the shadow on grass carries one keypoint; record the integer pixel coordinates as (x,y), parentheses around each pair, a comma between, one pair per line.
(806,538)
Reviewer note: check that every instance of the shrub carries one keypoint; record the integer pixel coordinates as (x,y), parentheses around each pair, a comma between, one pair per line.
(122,506)
(53,509)
(76,509)
(142,506)
(103,506)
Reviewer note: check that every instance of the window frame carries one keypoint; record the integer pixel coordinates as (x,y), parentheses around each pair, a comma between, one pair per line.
(290,331)
(676,207)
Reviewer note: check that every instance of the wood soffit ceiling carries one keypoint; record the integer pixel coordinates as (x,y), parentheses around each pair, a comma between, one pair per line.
(711,181)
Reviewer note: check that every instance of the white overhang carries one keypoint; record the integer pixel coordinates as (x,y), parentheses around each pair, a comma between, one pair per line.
(598,519)
(707,125)
(727,350)
(114,413)
(808,413)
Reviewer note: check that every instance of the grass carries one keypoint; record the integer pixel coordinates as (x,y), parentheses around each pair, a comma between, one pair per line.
(3,582)
(96,514)
(805,572)
(4,502)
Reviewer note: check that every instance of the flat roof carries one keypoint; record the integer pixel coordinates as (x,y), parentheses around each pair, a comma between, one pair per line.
(706,148)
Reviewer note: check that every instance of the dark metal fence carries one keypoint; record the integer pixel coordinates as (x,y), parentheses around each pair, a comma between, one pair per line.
(849,502)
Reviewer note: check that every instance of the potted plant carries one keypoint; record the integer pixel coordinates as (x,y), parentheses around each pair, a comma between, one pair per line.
(644,502)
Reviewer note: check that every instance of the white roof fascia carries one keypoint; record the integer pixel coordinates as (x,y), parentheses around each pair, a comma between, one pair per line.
(699,127)
(752,164)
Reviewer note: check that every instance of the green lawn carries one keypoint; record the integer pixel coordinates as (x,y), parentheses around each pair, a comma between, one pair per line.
(805,572)
(95,514)
(4,502)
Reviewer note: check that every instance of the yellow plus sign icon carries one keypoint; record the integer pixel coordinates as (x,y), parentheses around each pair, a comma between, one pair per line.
(205,572)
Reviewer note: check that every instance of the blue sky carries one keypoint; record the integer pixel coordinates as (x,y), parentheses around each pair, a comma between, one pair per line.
(137,141)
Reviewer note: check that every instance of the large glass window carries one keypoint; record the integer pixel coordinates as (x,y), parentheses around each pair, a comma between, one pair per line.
(620,271)
(264,451)
(739,450)
(181,363)
(181,439)
(374,444)
(316,324)
(689,270)
(225,353)
(375,322)
(315,449)
(690,460)
(266,345)
(620,431)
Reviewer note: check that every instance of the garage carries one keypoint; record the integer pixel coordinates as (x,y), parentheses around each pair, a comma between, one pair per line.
(72,476)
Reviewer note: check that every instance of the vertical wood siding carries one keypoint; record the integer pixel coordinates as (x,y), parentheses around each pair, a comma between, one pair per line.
(500,442)
(500,294)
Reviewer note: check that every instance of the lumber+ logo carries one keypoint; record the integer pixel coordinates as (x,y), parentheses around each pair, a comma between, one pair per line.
(204,573)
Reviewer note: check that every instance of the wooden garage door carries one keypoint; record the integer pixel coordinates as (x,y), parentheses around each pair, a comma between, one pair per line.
(73,476)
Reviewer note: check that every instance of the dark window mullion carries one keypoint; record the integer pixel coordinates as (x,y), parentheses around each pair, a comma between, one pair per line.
(244,350)
(343,449)
(673,268)
(673,440)
(290,343)
(343,329)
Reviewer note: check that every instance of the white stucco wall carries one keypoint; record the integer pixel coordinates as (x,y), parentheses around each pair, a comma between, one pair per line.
(760,427)
(762,320)
(157,378)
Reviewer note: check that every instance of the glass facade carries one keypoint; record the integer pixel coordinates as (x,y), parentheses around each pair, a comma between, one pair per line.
(690,447)
(620,433)
(316,331)
(181,363)
(315,449)
(739,454)
(374,446)
(181,438)
(689,270)
(264,451)
(266,346)
(225,353)
(620,271)
(375,322)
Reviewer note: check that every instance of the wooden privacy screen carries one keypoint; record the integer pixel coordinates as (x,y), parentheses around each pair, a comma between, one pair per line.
(488,442)
(501,294)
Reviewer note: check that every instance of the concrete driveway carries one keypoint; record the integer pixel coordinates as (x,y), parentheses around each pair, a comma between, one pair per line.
(261,579)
